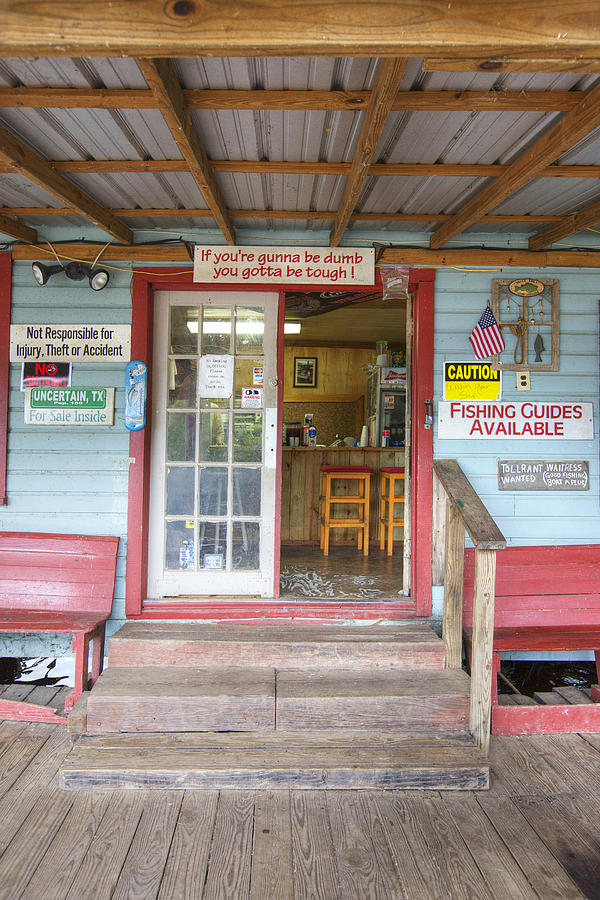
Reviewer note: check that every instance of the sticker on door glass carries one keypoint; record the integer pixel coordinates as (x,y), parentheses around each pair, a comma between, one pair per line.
(257,375)
(252,398)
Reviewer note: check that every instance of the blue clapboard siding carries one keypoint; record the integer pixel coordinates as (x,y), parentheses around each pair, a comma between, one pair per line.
(527,518)
(75,479)
(68,479)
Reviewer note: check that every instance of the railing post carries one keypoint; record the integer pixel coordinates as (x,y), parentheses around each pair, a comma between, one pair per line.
(453,586)
(482,647)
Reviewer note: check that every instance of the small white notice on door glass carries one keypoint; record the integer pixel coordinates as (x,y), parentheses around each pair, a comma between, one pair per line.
(216,376)
(213,561)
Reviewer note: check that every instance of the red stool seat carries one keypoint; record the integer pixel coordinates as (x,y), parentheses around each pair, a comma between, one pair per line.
(392,470)
(346,469)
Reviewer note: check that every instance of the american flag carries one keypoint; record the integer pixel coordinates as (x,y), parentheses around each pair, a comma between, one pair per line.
(486,338)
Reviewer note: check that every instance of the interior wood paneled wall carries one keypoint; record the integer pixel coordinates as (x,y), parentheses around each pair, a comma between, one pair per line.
(339,373)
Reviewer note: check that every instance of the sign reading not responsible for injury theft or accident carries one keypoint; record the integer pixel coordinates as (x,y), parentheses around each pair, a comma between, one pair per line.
(70,343)
(471,381)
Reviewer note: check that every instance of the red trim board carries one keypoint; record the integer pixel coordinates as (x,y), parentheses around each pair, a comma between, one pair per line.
(274,611)
(5,301)
(561,718)
(422,440)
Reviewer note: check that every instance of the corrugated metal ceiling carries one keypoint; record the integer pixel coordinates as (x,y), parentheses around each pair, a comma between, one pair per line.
(444,137)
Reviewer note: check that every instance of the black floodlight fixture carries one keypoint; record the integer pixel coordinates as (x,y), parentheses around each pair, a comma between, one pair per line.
(76,271)
(43,273)
(98,279)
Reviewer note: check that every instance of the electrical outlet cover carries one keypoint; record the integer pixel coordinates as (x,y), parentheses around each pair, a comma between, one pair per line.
(523,381)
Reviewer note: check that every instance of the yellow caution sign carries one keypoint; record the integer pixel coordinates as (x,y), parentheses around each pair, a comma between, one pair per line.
(472,381)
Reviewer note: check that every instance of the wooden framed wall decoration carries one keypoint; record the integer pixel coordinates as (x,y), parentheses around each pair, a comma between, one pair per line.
(305,371)
(527,311)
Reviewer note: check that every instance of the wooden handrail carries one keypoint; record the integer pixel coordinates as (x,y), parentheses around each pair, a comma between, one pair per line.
(477,521)
(466,512)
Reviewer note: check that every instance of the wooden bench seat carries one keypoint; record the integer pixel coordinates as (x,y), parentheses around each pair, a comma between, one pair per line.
(57,583)
(547,598)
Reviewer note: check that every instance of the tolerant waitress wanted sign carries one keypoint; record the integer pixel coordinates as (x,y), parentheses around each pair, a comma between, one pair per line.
(70,343)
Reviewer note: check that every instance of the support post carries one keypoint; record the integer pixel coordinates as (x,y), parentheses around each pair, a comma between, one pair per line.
(482,647)
(439,531)
(453,586)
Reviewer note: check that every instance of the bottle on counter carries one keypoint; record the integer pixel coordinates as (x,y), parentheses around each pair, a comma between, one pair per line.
(308,421)
(312,436)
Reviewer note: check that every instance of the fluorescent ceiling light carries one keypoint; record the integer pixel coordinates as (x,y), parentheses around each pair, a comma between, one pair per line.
(292,327)
(211,327)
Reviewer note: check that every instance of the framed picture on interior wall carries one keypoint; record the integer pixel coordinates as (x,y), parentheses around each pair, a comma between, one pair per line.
(305,371)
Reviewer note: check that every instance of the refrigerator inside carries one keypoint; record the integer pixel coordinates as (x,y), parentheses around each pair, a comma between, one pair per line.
(386,406)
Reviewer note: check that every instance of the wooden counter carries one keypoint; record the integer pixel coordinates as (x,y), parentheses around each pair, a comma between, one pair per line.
(300,488)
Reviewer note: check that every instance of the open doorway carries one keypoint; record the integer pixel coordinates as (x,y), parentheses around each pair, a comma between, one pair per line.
(338,379)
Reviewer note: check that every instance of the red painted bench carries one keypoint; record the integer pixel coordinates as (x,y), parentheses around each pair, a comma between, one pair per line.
(547,598)
(57,583)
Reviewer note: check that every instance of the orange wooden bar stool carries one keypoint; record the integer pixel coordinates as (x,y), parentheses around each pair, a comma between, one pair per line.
(387,493)
(361,474)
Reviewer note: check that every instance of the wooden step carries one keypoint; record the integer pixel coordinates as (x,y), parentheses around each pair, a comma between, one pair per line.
(171,700)
(279,760)
(395,700)
(407,645)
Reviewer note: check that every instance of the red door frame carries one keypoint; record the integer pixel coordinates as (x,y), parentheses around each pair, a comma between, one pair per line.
(5,301)
(144,285)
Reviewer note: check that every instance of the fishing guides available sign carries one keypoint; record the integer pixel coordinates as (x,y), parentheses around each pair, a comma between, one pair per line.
(497,421)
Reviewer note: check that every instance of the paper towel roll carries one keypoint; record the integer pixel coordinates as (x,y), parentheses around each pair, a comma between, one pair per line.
(364,436)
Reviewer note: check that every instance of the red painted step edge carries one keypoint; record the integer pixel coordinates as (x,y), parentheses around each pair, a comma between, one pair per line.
(16,710)
(283,612)
(556,719)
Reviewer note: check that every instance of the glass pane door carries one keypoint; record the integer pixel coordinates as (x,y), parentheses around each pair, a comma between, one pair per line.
(213,444)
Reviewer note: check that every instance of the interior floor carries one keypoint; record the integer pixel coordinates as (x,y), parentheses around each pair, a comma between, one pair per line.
(306,574)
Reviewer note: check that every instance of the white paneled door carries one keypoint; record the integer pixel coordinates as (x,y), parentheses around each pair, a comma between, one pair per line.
(214,442)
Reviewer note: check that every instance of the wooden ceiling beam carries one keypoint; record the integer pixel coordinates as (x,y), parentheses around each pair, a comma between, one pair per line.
(28,163)
(501,64)
(288,100)
(570,129)
(260,167)
(387,81)
(465,28)
(148,254)
(567,225)
(203,213)
(162,81)
(17,230)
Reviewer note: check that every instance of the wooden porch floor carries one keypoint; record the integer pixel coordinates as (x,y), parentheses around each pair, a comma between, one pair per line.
(534,834)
